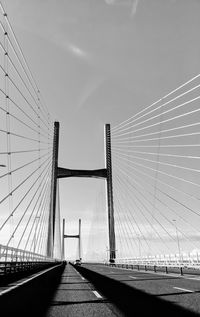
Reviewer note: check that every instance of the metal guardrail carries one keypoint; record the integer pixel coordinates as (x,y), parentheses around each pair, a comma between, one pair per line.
(13,260)
(16,267)
(10,254)
(163,263)
(173,260)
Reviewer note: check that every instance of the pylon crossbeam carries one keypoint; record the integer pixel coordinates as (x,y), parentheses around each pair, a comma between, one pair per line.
(71,236)
(65,172)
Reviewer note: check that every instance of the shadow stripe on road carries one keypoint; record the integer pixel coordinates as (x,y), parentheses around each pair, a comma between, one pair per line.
(64,303)
(130,300)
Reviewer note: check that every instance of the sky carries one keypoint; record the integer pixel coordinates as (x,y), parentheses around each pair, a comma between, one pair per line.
(97,62)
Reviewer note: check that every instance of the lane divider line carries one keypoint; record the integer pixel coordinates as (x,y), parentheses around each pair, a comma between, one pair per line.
(80,275)
(96,294)
(184,289)
(132,276)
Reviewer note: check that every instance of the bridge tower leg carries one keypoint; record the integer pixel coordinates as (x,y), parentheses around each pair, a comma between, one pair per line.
(63,240)
(79,239)
(111,225)
(52,213)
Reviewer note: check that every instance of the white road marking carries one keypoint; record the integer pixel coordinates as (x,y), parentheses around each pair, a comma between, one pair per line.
(80,275)
(184,289)
(132,276)
(97,294)
(26,281)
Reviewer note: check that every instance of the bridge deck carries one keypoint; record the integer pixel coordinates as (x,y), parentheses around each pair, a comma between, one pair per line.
(99,290)
(145,293)
(76,296)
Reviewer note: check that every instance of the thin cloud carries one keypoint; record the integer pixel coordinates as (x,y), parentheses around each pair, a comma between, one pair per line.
(117,2)
(75,50)
(72,48)
(133,4)
(134,7)
(90,89)
(110,1)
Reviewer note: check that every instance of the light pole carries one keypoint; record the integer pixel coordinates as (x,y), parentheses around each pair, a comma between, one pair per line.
(107,255)
(139,246)
(36,224)
(178,242)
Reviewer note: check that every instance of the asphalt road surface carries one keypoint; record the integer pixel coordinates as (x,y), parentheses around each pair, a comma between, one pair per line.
(75,296)
(180,290)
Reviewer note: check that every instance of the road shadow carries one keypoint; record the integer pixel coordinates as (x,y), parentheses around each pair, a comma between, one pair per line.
(131,301)
(66,303)
(32,298)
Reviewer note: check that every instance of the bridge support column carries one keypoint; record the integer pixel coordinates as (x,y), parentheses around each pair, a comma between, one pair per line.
(111,226)
(52,212)
(63,240)
(79,240)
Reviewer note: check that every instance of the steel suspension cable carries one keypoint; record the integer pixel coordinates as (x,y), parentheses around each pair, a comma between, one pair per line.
(30,202)
(25,151)
(157,132)
(166,184)
(128,223)
(145,198)
(42,190)
(159,108)
(160,201)
(24,165)
(153,228)
(22,199)
(136,223)
(161,163)
(156,102)
(36,90)
(172,187)
(43,233)
(124,232)
(166,120)
(40,208)
(161,172)
(21,183)
(154,153)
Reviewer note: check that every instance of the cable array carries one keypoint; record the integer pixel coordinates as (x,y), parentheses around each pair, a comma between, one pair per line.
(156,176)
(26,138)
(96,237)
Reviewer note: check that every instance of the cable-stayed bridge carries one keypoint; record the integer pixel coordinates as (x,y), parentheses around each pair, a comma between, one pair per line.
(151,175)
(155,162)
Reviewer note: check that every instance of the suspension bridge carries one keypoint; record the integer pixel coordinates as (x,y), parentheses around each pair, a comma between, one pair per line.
(152,182)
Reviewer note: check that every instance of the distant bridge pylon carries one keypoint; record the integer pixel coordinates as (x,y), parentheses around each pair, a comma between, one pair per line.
(76,236)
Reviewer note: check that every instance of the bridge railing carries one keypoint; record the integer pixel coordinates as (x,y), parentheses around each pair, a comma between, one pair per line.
(10,254)
(173,260)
